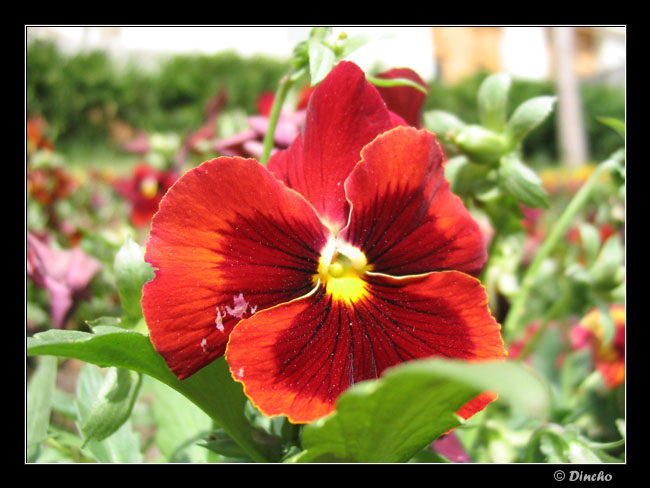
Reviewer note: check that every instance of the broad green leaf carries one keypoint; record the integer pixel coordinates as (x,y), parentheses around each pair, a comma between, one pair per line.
(527,117)
(181,425)
(212,389)
(112,405)
(131,272)
(493,101)
(40,392)
(521,182)
(122,445)
(321,61)
(394,417)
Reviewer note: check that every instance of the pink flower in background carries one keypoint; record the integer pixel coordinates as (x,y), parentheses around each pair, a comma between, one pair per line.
(65,274)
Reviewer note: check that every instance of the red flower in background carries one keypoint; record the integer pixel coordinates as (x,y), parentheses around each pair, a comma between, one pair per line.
(609,358)
(36,140)
(144,190)
(348,255)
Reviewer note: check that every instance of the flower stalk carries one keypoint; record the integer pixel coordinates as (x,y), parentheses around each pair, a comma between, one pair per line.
(280,95)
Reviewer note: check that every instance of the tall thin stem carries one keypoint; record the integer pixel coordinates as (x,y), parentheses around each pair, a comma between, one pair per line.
(274,116)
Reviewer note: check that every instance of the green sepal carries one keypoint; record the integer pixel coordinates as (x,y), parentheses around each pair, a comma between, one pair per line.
(527,117)
(112,405)
(480,144)
(493,100)
(443,124)
(521,182)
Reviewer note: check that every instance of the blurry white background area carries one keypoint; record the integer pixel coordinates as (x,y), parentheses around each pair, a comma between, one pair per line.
(523,50)
(393,46)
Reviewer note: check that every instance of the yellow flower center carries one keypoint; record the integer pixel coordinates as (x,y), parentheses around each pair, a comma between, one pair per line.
(149,187)
(341,268)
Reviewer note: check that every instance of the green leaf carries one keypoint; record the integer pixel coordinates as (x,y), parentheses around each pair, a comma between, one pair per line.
(607,268)
(40,392)
(121,445)
(521,182)
(181,425)
(131,272)
(464,176)
(590,239)
(527,117)
(393,418)
(221,443)
(493,101)
(565,445)
(321,61)
(351,44)
(113,403)
(212,389)
(616,124)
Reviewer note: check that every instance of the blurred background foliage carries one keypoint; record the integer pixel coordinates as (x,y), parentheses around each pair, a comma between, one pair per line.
(80,95)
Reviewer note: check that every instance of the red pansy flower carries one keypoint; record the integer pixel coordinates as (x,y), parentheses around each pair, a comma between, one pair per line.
(144,190)
(348,255)
(609,358)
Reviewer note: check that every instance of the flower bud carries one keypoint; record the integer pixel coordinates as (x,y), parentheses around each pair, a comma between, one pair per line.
(480,144)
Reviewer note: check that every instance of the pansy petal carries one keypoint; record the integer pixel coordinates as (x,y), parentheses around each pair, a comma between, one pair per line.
(404,100)
(297,358)
(404,216)
(229,239)
(345,113)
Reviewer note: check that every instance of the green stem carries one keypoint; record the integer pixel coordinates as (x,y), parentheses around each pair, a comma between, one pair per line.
(280,95)
(512,323)
(532,343)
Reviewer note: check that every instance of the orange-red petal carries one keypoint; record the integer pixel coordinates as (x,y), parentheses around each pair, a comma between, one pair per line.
(404,216)
(345,113)
(229,239)
(295,359)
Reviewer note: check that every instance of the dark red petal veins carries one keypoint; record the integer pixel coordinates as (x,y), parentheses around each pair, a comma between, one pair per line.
(345,113)
(228,240)
(404,216)
(297,358)
(405,101)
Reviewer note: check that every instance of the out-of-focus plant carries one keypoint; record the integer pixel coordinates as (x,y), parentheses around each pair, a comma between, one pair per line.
(556,261)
